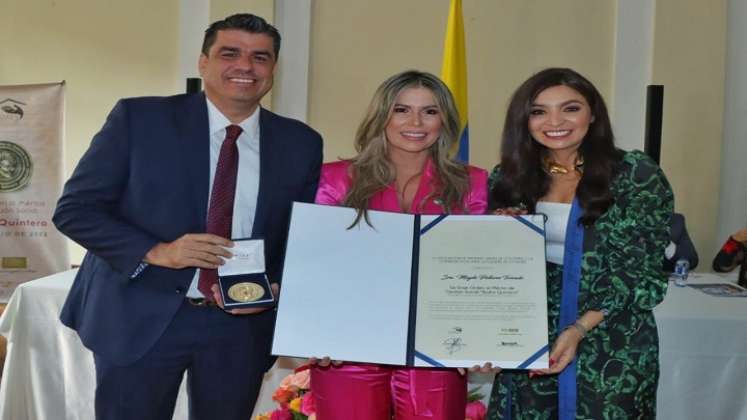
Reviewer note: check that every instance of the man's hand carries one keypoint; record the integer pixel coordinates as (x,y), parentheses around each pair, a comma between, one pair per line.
(245,311)
(201,250)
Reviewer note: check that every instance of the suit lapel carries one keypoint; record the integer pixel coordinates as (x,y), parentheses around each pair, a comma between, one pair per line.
(267,169)
(195,132)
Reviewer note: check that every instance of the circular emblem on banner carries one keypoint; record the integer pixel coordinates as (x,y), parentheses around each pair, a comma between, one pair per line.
(245,292)
(15,167)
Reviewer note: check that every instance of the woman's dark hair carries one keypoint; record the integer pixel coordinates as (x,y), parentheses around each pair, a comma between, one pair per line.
(523,180)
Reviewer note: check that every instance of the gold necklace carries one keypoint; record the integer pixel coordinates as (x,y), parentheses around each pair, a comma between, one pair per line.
(552,167)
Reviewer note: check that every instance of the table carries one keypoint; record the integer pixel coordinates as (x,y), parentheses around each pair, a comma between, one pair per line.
(703,353)
(49,374)
(703,339)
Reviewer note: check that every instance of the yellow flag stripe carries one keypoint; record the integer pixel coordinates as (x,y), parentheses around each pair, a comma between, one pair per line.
(454,67)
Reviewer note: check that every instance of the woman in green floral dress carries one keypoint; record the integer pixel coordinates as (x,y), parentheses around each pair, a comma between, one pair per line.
(608,223)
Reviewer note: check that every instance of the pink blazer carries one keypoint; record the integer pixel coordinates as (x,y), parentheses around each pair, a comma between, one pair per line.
(335,181)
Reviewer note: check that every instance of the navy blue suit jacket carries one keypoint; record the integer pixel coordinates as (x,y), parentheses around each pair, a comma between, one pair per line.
(144,180)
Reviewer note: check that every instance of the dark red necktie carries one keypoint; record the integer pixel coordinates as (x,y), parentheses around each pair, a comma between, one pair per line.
(220,212)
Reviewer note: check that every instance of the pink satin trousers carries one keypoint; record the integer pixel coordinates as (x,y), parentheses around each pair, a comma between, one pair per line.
(378,392)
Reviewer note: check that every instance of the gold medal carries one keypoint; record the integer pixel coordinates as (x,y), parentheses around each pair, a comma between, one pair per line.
(245,292)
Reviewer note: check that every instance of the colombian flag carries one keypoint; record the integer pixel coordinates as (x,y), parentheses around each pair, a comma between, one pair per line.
(454,73)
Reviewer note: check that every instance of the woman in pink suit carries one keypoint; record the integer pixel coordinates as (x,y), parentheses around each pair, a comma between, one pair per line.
(402,165)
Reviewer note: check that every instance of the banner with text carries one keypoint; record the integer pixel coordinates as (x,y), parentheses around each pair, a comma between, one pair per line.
(31,176)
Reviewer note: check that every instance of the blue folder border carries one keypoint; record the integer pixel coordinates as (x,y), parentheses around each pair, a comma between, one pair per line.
(417,233)
(523,365)
(529,224)
(430,225)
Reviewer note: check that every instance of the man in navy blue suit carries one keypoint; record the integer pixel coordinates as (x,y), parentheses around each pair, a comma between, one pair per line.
(140,202)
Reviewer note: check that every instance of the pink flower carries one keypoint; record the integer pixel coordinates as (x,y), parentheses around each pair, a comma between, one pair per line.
(281,414)
(307,404)
(295,381)
(285,383)
(301,379)
(476,410)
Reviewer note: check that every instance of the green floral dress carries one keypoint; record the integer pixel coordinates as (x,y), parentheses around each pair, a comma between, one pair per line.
(621,275)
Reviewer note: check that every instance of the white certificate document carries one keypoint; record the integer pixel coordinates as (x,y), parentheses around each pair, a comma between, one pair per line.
(345,293)
(414,290)
(482,292)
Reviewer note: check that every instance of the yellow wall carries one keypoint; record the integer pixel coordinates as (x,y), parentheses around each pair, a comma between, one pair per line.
(222,8)
(104,50)
(110,49)
(689,60)
(358,44)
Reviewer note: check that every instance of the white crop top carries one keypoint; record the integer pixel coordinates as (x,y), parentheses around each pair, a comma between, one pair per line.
(557,221)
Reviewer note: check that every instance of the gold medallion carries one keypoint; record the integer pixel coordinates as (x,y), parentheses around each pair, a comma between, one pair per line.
(245,292)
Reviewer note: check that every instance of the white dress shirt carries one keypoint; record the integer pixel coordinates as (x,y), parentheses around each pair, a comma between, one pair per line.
(247,178)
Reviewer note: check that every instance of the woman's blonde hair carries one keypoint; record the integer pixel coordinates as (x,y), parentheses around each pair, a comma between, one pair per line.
(371,170)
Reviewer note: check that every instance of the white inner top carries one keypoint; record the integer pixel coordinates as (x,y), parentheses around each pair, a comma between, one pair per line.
(557,221)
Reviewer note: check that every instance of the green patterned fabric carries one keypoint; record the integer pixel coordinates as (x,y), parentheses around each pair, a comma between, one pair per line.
(621,275)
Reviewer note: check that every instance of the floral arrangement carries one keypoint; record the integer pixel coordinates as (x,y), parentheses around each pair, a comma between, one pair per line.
(297,402)
(294,398)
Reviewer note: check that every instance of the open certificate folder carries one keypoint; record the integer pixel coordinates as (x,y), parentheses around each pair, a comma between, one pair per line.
(414,290)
